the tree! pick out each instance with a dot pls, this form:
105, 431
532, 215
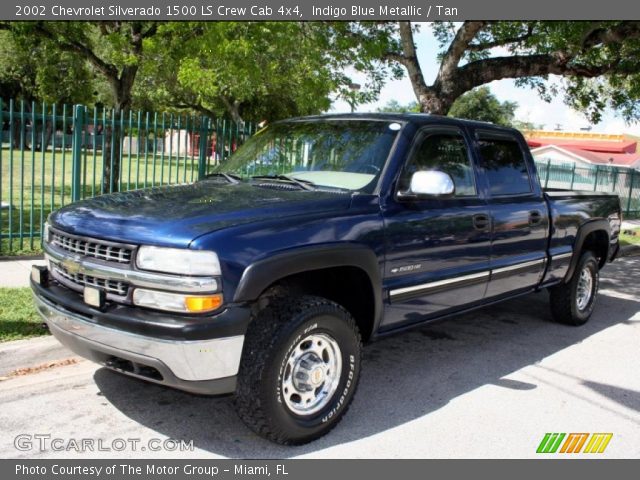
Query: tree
393, 106
481, 104
248, 70
40, 73
114, 50
33, 72
599, 61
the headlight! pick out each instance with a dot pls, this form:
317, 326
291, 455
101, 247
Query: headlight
178, 260
176, 302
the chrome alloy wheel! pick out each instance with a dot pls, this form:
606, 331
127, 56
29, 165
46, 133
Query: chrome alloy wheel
585, 288
312, 374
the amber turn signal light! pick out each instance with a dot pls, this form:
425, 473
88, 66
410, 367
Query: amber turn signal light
203, 304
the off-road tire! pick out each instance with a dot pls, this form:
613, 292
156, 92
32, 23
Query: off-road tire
564, 297
271, 337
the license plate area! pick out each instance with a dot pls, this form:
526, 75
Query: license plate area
94, 297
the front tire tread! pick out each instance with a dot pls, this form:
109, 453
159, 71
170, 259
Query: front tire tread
269, 327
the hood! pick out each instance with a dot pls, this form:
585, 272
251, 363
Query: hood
176, 215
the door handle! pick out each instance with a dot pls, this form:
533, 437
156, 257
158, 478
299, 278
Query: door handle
535, 217
481, 221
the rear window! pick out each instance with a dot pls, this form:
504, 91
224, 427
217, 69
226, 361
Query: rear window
505, 166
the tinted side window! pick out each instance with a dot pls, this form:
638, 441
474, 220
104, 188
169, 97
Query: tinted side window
446, 152
505, 167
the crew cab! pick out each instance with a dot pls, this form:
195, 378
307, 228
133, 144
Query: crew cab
264, 278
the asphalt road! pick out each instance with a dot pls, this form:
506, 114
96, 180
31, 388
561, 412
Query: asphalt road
486, 384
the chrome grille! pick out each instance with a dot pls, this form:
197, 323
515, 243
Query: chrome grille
80, 280
91, 248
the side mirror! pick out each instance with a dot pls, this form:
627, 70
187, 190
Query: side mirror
432, 183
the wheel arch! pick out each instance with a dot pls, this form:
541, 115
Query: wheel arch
343, 273
593, 236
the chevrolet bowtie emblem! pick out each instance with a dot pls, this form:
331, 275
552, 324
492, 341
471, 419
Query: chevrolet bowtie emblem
71, 265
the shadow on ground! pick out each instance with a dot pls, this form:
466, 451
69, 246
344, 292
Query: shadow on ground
405, 376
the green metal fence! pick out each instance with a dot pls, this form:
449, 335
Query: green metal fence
624, 182
51, 155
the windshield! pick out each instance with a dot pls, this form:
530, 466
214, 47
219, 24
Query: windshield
335, 154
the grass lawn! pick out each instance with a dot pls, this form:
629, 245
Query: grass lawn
630, 237
18, 317
34, 184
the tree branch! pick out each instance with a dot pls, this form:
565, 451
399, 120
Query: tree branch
479, 47
480, 72
151, 31
410, 61
396, 57
459, 45
76, 47
195, 106
607, 36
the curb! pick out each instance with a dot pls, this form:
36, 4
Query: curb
629, 250
19, 258
30, 352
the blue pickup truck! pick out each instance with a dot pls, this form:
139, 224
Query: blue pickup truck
318, 234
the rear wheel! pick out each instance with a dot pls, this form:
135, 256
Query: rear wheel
300, 368
572, 303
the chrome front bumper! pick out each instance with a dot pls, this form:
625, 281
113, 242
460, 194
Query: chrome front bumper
200, 366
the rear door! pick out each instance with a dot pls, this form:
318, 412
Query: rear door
437, 249
519, 216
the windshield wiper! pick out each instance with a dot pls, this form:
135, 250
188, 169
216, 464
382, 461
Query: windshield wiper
229, 177
304, 184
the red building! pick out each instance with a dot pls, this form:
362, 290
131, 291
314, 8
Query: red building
584, 148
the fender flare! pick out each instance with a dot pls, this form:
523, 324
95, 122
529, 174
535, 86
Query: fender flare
583, 232
258, 276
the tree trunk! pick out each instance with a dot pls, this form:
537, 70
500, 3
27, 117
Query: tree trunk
26, 135
41, 143
17, 125
110, 176
121, 87
233, 108
430, 98
48, 134
434, 101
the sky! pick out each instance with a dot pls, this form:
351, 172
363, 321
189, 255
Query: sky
530, 107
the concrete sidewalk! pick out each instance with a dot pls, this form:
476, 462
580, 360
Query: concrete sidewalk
15, 273
630, 224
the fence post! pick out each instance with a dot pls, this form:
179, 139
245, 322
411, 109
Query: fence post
633, 172
573, 176
546, 182
76, 159
595, 184
202, 153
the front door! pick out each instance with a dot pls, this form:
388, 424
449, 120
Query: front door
437, 249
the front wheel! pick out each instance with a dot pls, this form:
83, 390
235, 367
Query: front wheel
300, 368
572, 303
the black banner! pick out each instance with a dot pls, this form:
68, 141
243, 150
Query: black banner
294, 10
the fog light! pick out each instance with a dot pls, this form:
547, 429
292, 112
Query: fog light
39, 275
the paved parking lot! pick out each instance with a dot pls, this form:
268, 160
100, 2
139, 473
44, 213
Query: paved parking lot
485, 384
